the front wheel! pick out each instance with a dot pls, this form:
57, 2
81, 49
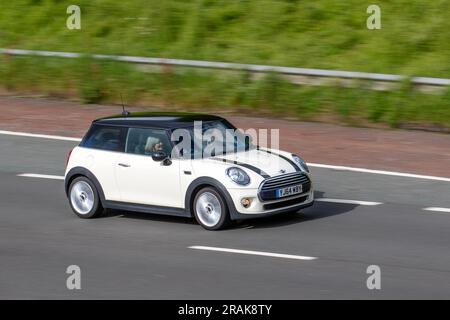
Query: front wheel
210, 210
84, 199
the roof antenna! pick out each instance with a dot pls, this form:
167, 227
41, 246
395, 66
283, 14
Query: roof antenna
125, 113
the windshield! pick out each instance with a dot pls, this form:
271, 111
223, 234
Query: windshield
212, 138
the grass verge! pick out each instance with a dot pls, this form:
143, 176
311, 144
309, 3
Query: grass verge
96, 81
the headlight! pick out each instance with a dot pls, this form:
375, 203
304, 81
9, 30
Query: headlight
300, 162
238, 175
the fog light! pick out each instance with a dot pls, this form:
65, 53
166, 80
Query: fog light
246, 202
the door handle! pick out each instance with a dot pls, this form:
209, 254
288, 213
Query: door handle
125, 165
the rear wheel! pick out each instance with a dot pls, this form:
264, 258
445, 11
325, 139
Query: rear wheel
84, 199
210, 210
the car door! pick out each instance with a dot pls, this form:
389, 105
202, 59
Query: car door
142, 180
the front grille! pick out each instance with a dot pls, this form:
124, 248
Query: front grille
283, 204
268, 188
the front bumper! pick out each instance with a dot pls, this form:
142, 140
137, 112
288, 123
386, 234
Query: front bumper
260, 208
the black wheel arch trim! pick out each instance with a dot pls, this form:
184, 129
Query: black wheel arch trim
80, 171
203, 181
234, 214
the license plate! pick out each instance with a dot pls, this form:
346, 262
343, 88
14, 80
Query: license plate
288, 191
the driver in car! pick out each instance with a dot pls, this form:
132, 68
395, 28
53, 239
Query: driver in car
158, 147
153, 145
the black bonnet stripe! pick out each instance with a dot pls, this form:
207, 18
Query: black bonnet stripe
248, 166
292, 163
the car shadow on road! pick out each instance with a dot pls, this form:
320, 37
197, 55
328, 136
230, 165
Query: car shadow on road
319, 210
147, 216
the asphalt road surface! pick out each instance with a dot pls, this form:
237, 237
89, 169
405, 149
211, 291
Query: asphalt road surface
141, 256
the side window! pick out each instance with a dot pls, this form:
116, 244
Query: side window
146, 141
108, 138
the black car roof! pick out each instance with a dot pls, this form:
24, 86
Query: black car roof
165, 120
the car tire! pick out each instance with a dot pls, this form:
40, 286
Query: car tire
210, 209
84, 199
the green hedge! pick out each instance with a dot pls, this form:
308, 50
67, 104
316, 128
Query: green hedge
97, 81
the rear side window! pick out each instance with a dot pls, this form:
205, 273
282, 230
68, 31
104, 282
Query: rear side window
108, 138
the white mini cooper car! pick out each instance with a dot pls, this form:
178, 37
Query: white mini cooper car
128, 162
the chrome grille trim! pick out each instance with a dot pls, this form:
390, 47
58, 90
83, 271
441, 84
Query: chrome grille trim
277, 184
284, 180
268, 186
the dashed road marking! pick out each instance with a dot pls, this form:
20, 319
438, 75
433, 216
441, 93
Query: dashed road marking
362, 203
257, 253
437, 209
41, 176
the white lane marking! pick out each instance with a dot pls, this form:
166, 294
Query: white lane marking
42, 136
437, 209
317, 165
258, 253
362, 203
388, 173
41, 176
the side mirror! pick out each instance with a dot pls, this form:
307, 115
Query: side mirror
159, 156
